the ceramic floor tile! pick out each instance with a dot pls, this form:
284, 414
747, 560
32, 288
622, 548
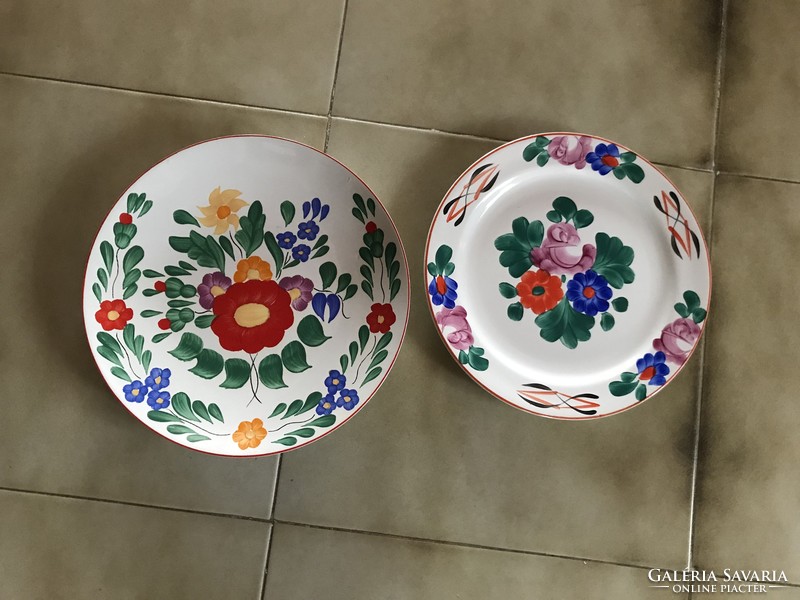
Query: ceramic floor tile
748, 483
59, 548
68, 152
434, 456
279, 53
369, 567
642, 73
761, 84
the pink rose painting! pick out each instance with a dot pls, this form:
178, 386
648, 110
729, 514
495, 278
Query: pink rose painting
677, 340
561, 253
570, 149
460, 336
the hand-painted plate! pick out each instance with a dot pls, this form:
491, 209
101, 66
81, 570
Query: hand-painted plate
246, 296
567, 276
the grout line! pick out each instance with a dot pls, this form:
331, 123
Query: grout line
395, 536
759, 177
272, 520
301, 113
335, 77
412, 538
112, 88
701, 385
480, 138
136, 504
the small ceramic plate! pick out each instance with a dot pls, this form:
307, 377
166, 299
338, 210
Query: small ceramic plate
246, 295
567, 276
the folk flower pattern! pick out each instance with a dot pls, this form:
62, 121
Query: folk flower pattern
326, 405
561, 252
157, 399
381, 318
539, 291
453, 317
252, 316
577, 151
455, 327
589, 293
286, 239
300, 290
135, 391
443, 291
250, 434
221, 210
239, 283
570, 150
604, 158
113, 314
670, 351
301, 252
213, 285
158, 379
544, 263
347, 399
567, 272
252, 268
677, 339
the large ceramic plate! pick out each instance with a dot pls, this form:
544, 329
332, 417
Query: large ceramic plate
567, 276
246, 295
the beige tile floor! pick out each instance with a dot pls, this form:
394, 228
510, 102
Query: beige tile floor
436, 490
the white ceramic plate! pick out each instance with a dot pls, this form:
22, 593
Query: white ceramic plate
567, 276
246, 295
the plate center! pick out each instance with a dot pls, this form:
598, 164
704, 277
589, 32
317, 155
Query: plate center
614, 215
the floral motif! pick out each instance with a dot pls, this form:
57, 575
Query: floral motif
214, 284
308, 230
299, 289
589, 293
286, 240
347, 399
113, 314
250, 434
381, 318
326, 405
460, 334
677, 340
252, 269
335, 381
538, 260
443, 291
221, 210
249, 311
158, 399
652, 368
158, 378
452, 316
135, 391
570, 149
604, 158
560, 252
301, 252
252, 316
539, 291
